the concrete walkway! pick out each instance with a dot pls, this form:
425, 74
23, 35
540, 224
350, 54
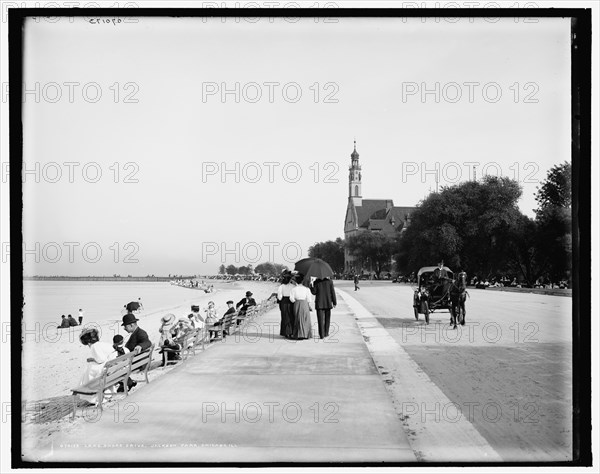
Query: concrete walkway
254, 398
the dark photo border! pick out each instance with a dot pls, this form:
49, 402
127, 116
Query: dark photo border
581, 24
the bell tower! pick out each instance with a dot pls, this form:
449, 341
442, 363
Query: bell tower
354, 179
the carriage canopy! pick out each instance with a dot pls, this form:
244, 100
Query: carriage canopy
426, 272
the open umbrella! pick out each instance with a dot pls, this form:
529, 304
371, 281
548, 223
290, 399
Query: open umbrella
303, 265
314, 267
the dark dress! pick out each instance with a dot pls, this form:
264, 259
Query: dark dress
287, 317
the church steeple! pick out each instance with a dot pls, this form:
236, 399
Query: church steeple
354, 179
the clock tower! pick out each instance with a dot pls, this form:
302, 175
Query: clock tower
354, 179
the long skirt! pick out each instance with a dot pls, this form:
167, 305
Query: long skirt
302, 324
91, 372
287, 317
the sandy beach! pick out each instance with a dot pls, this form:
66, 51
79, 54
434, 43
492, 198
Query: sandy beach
53, 360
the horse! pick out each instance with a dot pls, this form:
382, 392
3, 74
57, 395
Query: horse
458, 296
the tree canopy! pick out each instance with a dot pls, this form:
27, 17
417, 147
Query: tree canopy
373, 249
332, 251
468, 225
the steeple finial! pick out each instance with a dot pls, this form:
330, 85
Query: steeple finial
354, 144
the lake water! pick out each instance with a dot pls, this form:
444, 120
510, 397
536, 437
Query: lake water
101, 301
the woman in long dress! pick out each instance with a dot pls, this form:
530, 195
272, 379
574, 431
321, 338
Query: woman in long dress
301, 297
100, 354
286, 307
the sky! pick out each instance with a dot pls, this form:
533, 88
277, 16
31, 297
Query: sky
172, 145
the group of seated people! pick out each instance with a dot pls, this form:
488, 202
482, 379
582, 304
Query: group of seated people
173, 333
67, 322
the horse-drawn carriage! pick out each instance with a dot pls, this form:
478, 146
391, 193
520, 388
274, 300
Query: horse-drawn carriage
438, 290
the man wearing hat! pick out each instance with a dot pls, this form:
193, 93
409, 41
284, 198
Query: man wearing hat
440, 276
244, 304
230, 308
440, 272
138, 339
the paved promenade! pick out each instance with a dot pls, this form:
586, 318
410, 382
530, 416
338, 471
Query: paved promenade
254, 398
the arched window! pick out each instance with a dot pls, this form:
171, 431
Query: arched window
356, 190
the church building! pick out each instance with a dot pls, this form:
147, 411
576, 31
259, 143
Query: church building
369, 215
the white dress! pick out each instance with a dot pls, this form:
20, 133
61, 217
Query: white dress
101, 352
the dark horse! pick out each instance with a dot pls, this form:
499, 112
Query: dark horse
458, 296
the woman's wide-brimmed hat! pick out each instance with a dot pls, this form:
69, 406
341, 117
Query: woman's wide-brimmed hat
168, 318
86, 332
128, 319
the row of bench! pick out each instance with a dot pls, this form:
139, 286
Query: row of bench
120, 369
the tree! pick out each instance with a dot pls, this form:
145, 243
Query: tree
243, 270
373, 249
556, 189
469, 226
554, 222
332, 251
231, 269
270, 269
222, 270
279, 268
523, 253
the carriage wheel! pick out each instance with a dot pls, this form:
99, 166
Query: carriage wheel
426, 311
416, 313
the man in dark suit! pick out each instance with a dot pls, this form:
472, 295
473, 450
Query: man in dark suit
230, 308
138, 340
245, 303
440, 272
324, 300
440, 277
72, 321
64, 322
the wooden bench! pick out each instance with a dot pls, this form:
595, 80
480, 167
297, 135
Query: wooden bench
142, 362
251, 312
114, 371
202, 338
226, 326
185, 347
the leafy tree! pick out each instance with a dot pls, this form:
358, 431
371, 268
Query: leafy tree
372, 248
266, 268
222, 270
469, 226
553, 216
332, 251
279, 268
556, 189
243, 270
270, 269
523, 252
231, 269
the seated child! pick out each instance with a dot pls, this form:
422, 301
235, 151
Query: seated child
167, 333
118, 346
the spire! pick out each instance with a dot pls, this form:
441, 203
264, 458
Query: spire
354, 154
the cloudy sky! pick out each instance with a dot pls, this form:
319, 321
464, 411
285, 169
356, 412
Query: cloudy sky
172, 145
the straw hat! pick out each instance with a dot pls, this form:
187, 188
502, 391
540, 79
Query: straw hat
168, 318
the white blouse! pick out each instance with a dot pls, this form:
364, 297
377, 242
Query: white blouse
285, 290
300, 292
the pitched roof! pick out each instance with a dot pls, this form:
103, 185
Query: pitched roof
368, 208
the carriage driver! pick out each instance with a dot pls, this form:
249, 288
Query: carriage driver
440, 276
